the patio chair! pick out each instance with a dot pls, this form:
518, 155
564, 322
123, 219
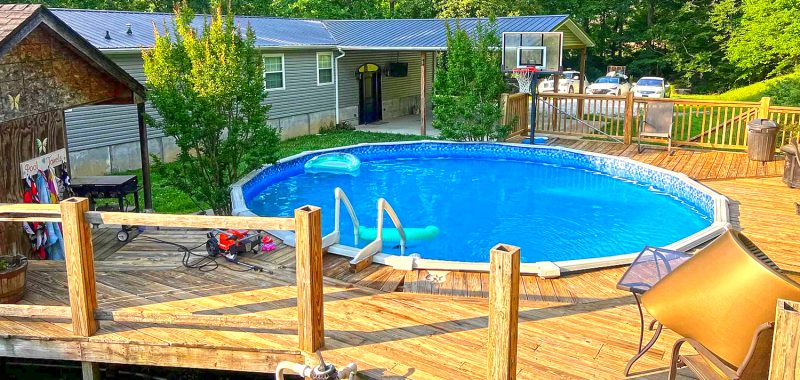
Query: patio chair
657, 123
722, 301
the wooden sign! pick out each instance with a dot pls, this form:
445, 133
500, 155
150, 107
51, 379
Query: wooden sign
33, 166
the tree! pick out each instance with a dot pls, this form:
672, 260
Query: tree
468, 85
764, 35
208, 88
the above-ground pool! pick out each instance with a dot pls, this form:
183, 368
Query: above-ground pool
558, 205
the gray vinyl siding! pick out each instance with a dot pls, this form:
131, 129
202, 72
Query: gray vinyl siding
391, 88
99, 126
301, 94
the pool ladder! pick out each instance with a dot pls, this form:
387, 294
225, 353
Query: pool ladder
332, 240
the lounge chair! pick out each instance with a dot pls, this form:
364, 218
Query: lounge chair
722, 301
657, 123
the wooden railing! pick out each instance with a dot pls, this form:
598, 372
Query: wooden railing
515, 112
578, 114
702, 123
83, 310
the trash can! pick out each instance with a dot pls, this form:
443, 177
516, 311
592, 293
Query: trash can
791, 174
761, 135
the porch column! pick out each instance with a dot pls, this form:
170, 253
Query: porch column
582, 81
583, 71
423, 99
144, 153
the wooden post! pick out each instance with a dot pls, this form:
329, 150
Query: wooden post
785, 362
90, 371
79, 257
628, 118
144, 154
503, 312
308, 239
423, 98
582, 82
763, 109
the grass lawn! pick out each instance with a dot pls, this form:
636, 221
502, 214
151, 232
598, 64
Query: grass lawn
167, 199
749, 93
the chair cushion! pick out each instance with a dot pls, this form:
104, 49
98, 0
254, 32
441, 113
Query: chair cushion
721, 295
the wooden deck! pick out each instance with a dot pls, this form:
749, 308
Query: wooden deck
574, 327
389, 335
697, 164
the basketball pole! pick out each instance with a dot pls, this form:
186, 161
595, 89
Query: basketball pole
534, 100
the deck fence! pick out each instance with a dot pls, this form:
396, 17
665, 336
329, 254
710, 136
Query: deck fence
515, 112
700, 123
84, 313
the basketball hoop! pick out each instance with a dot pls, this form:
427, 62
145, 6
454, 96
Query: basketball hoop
524, 77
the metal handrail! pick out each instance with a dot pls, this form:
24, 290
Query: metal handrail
334, 237
383, 205
376, 245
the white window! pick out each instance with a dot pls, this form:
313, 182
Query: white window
274, 73
324, 68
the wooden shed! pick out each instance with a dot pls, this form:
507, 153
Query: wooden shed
45, 68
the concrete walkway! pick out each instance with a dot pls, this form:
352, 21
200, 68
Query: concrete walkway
404, 125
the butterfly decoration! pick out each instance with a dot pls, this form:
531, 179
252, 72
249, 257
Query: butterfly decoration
41, 145
14, 101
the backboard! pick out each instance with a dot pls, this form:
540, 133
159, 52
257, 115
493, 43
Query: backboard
540, 50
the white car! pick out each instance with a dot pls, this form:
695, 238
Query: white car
609, 85
568, 83
650, 87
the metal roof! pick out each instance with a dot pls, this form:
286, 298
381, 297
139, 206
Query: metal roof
270, 31
426, 33
286, 32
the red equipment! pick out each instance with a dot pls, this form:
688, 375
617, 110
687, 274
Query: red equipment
231, 243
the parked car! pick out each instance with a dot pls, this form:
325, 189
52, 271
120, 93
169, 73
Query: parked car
651, 87
568, 83
610, 85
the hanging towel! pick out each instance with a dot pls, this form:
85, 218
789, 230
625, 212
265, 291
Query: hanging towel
55, 243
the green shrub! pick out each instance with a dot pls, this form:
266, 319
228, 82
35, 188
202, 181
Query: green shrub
468, 85
785, 92
208, 86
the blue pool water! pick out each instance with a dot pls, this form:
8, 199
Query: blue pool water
553, 212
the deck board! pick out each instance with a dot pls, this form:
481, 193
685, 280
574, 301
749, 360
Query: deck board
578, 326
696, 163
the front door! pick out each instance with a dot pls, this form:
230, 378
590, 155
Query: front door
369, 93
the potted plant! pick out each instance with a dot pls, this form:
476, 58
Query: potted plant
13, 271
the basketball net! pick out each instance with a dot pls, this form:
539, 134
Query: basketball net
524, 77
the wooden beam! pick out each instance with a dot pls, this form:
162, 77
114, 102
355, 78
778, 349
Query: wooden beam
35, 311
189, 319
308, 238
627, 126
138, 353
785, 360
503, 312
191, 221
90, 371
763, 108
582, 81
79, 258
423, 96
144, 154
